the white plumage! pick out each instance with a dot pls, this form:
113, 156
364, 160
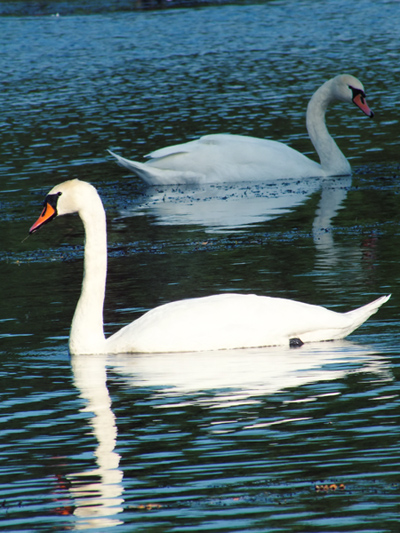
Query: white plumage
218, 322
231, 158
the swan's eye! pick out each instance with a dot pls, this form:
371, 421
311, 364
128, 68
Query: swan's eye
360, 101
52, 200
48, 213
359, 93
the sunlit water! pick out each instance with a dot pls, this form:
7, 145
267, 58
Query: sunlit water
273, 440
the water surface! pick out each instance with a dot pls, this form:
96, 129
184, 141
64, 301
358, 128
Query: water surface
273, 440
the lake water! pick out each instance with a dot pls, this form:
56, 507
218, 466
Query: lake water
268, 440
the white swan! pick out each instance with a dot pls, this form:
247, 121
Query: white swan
223, 321
227, 158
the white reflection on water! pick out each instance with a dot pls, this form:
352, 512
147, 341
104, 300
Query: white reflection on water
238, 376
97, 493
222, 207
333, 195
231, 377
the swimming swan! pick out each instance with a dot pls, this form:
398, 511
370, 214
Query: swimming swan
223, 321
230, 158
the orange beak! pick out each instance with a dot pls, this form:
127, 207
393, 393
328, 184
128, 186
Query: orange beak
47, 214
361, 102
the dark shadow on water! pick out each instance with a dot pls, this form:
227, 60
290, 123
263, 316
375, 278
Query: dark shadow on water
87, 7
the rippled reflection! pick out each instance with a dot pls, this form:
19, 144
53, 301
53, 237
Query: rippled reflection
97, 493
240, 375
225, 379
223, 207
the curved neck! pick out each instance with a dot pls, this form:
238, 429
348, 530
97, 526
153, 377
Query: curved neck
333, 162
87, 334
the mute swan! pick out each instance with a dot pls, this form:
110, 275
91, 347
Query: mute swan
223, 321
228, 158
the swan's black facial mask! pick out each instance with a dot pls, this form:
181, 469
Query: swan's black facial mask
49, 212
361, 102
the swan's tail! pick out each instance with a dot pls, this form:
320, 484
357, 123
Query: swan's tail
137, 168
360, 315
153, 175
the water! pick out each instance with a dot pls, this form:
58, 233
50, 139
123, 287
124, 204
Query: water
260, 440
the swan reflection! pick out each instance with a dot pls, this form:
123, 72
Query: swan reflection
225, 378
98, 492
333, 195
241, 375
222, 207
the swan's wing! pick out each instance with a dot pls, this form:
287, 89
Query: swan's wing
235, 151
153, 175
209, 323
223, 157
235, 321
217, 140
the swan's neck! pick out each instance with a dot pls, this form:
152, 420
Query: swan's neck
333, 162
87, 334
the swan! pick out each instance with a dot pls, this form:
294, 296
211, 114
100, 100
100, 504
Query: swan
223, 321
230, 158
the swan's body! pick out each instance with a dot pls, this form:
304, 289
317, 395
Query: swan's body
227, 158
210, 323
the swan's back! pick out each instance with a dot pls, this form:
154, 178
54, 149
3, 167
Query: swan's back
214, 157
230, 321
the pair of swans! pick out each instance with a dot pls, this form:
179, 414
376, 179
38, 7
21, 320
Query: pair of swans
230, 158
223, 321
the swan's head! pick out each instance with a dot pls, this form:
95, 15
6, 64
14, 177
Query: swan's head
66, 198
347, 88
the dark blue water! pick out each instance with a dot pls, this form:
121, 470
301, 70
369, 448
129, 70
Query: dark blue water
268, 440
